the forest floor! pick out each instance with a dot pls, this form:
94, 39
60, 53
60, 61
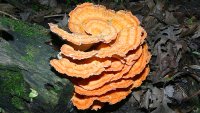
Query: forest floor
173, 27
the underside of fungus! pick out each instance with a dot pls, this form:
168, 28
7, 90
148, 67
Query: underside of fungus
105, 55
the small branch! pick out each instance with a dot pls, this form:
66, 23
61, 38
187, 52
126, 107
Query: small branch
4, 13
193, 95
57, 15
195, 77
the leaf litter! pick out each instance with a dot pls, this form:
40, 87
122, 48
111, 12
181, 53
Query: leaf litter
173, 36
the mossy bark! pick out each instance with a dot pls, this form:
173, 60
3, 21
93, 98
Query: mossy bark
24, 65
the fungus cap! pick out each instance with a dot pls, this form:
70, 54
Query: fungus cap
106, 55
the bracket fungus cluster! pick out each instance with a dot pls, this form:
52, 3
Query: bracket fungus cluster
106, 55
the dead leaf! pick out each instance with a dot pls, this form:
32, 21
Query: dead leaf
197, 67
156, 97
150, 3
164, 108
189, 30
169, 90
64, 22
145, 100
25, 15
137, 95
197, 33
170, 19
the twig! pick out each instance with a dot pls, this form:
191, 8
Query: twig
4, 13
186, 73
57, 15
193, 95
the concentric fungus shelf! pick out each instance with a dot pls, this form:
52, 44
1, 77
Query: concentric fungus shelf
106, 55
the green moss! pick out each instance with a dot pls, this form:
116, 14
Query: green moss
30, 53
12, 82
30, 30
17, 102
13, 87
57, 89
2, 110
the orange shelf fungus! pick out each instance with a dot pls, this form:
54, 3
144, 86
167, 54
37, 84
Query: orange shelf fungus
84, 69
104, 35
96, 105
122, 83
106, 55
70, 52
95, 81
